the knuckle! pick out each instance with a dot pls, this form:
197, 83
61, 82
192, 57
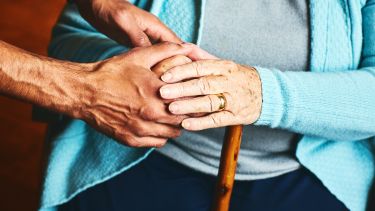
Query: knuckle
211, 102
204, 85
149, 114
140, 130
216, 120
213, 120
180, 88
230, 64
197, 67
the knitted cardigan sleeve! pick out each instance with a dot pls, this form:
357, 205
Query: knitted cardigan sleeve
338, 105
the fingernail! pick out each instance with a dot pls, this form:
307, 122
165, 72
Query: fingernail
164, 92
186, 124
166, 77
173, 108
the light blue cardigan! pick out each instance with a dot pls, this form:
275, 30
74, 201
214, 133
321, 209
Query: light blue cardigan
333, 105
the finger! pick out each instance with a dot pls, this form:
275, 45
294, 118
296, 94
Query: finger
158, 113
169, 63
198, 53
201, 86
169, 119
159, 32
154, 54
197, 69
149, 128
214, 120
205, 104
134, 141
129, 26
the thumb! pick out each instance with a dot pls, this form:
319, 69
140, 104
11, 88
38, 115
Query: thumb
136, 35
159, 32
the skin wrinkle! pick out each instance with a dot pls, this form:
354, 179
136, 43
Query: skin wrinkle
241, 85
210, 97
197, 67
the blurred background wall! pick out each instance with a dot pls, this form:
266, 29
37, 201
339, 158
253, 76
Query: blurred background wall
26, 24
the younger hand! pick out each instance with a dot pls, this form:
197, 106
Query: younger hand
124, 22
122, 97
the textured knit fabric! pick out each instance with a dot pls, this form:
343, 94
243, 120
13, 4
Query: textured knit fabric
278, 38
158, 181
332, 106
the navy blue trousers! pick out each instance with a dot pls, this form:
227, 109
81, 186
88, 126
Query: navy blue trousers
159, 183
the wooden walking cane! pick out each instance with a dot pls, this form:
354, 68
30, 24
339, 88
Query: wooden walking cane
227, 169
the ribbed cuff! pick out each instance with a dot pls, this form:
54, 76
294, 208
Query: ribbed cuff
272, 105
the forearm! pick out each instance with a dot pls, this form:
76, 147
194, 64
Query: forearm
53, 84
336, 106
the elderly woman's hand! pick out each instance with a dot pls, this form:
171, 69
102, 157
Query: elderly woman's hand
195, 54
227, 92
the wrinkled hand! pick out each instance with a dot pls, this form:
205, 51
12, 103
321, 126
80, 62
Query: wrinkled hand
167, 64
202, 80
124, 22
123, 100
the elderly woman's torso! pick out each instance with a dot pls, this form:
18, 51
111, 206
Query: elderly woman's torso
256, 33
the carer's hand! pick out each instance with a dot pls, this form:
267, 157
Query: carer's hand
240, 85
122, 97
124, 22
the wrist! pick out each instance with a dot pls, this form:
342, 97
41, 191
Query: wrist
76, 89
53, 84
272, 100
62, 86
257, 89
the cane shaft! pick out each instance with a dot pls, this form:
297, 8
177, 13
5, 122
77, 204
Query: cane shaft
227, 169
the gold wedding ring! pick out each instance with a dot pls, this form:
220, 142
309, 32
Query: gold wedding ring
223, 101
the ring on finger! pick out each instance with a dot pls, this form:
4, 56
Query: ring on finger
223, 102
